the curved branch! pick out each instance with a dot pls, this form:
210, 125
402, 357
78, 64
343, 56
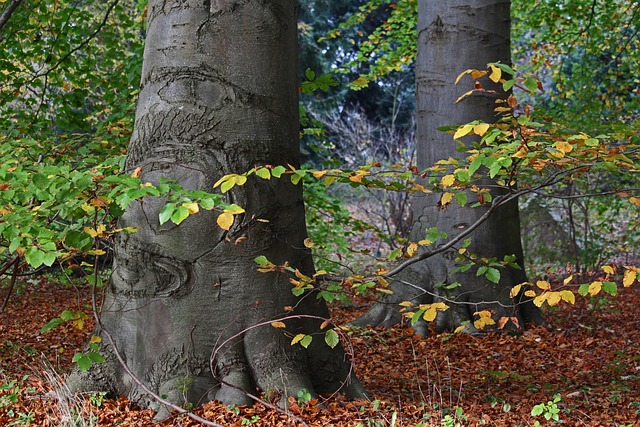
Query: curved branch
6, 15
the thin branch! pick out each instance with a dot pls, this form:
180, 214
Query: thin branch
14, 276
8, 11
81, 45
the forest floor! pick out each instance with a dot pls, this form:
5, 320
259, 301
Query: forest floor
586, 358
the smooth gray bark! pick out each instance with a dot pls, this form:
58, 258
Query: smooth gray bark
219, 95
454, 36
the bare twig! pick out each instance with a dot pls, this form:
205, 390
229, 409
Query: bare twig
14, 276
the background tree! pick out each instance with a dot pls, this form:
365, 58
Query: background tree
453, 37
219, 96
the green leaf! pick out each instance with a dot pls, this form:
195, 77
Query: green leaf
67, 315
610, 287
417, 316
278, 171
83, 362
306, 341
394, 254
95, 357
167, 212
494, 169
52, 324
584, 289
297, 176
331, 338
475, 164
179, 214
493, 274
462, 175
34, 256
261, 260
263, 173
310, 74
207, 203
461, 198
15, 244
537, 410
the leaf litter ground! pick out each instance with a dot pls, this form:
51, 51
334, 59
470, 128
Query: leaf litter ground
588, 355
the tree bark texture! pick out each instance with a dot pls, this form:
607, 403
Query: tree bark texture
219, 96
454, 36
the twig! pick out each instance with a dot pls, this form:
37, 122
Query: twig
8, 11
14, 276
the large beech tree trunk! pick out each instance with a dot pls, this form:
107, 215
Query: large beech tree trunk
455, 35
219, 95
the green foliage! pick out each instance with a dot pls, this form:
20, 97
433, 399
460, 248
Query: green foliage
585, 52
550, 410
10, 394
88, 358
390, 46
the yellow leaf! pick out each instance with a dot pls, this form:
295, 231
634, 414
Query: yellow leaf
568, 296
278, 325
476, 74
464, 95
234, 209
308, 243
78, 324
564, 146
567, 280
90, 231
225, 220
462, 75
521, 153
540, 299
554, 298
96, 252
544, 285
430, 314
635, 200
483, 321
136, 172
412, 249
297, 339
515, 291
483, 313
608, 269
462, 131
406, 304
481, 129
496, 73
460, 329
448, 180
440, 306
629, 278
530, 293
95, 339
425, 242
191, 207
319, 174
594, 288
446, 199
385, 291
